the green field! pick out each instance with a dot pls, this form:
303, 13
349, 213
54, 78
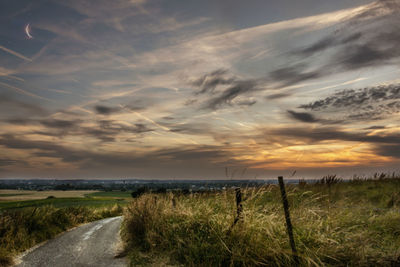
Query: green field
335, 223
13, 195
62, 202
113, 194
57, 199
95, 199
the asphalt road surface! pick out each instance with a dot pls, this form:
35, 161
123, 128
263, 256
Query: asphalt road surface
92, 244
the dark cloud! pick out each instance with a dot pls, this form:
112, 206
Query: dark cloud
19, 121
208, 82
169, 118
49, 123
59, 133
380, 47
101, 134
138, 105
332, 133
319, 46
356, 98
368, 39
52, 127
193, 154
60, 124
104, 110
104, 130
108, 130
141, 128
247, 102
392, 150
277, 96
8, 103
7, 162
55, 150
190, 128
329, 42
135, 105
359, 56
366, 104
222, 91
294, 74
366, 116
226, 97
190, 102
378, 127
115, 126
188, 161
351, 38
302, 116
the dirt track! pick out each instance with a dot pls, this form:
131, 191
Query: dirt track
92, 244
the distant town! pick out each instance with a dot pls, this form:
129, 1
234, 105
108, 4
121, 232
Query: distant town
132, 184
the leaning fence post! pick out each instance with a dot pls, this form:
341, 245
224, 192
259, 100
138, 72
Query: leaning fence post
287, 217
239, 207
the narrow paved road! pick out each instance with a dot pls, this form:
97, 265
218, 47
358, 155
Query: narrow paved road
92, 244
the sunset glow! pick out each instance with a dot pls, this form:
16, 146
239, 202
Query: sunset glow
172, 89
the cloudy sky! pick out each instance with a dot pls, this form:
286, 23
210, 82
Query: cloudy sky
188, 89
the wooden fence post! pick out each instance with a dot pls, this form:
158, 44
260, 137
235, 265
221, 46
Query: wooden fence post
288, 221
173, 202
239, 207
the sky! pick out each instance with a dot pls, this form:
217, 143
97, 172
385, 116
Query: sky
212, 89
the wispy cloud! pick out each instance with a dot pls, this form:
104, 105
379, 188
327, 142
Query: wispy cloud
24, 92
360, 41
29, 108
14, 53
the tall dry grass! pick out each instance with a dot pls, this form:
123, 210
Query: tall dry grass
345, 224
23, 228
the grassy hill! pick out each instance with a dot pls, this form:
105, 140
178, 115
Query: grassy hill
336, 223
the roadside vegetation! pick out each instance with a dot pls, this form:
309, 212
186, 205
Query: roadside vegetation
23, 224
336, 223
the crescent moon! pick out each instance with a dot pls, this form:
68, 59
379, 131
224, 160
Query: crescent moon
28, 31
